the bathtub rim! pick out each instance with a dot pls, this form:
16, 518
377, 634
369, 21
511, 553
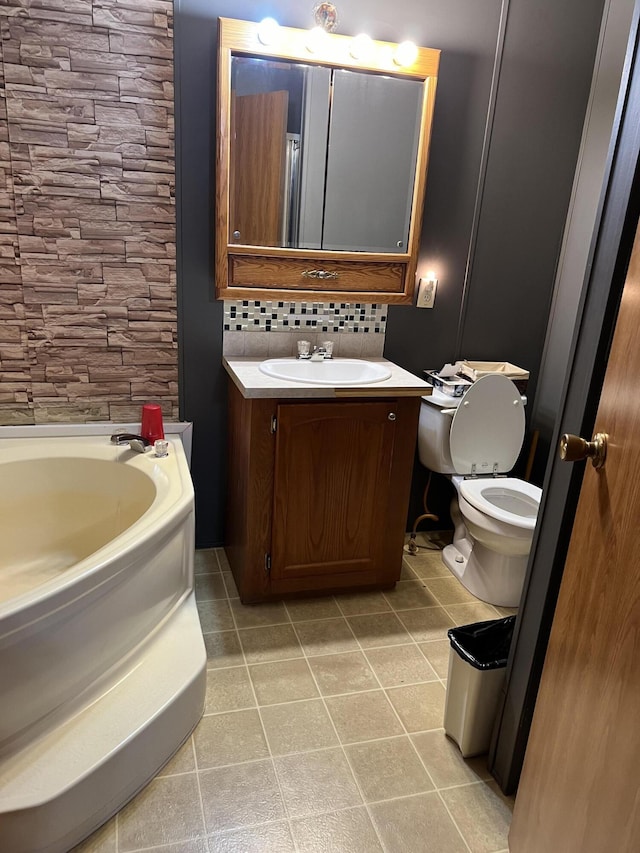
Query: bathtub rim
89, 572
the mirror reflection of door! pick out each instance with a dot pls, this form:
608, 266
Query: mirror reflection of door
258, 131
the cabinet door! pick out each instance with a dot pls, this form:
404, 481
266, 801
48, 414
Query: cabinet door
332, 484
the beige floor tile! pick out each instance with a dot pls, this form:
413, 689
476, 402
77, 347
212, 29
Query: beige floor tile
258, 615
206, 561
210, 587
428, 623
229, 739
482, 813
282, 681
380, 629
465, 614
347, 831
406, 572
428, 564
386, 769
506, 611
228, 690
325, 637
298, 727
346, 673
194, 845
443, 760
230, 585
419, 823
303, 609
215, 616
407, 595
363, 602
103, 840
166, 811
396, 665
182, 761
450, 591
241, 795
222, 559
223, 649
419, 706
267, 838
437, 653
363, 716
277, 642
316, 782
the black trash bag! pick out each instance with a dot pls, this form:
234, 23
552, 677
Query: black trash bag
484, 645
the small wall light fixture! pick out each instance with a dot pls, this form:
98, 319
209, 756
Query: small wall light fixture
405, 54
361, 47
268, 30
316, 40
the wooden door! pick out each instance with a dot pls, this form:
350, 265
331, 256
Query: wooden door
332, 485
258, 148
580, 786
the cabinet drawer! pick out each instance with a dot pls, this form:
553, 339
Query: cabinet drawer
294, 274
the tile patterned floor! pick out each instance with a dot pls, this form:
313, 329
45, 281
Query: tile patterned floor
322, 730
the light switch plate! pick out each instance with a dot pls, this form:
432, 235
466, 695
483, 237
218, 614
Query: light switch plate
426, 293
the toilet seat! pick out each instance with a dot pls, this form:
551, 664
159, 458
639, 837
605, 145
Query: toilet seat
487, 428
506, 499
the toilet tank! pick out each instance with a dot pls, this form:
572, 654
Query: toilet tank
433, 437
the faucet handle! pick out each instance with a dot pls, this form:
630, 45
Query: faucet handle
303, 349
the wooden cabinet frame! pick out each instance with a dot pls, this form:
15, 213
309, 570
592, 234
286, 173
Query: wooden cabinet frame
254, 272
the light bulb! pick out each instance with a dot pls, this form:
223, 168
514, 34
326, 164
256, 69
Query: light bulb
268, 30
316, 39
361, 47
405, 54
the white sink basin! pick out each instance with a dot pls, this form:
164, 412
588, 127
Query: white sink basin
338, 371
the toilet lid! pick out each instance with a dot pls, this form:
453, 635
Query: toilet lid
488, 427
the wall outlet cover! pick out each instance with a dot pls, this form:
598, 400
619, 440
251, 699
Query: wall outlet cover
426, 293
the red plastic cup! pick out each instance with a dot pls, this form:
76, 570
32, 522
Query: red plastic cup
151, 426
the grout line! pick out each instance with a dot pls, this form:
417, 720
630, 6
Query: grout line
197, 771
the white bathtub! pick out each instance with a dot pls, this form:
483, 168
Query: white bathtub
102, 662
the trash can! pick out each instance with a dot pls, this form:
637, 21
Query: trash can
477, 662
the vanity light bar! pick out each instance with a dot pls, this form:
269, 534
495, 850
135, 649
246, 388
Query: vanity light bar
331, 49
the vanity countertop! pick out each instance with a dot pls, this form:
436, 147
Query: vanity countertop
251, 382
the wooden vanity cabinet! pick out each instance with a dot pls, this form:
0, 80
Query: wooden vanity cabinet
318, 493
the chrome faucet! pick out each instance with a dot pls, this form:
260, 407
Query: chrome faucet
318, 353
135, 442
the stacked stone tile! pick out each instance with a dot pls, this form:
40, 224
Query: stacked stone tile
87, 214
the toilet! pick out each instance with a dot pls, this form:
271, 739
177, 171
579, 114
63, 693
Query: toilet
476, 439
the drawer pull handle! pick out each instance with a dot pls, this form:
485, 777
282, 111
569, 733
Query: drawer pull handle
324, 274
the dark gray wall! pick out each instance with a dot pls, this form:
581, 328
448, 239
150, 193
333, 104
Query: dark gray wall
505, 276
583, 217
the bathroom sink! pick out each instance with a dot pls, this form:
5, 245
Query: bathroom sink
339, 371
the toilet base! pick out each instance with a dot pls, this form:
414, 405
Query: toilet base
495, 578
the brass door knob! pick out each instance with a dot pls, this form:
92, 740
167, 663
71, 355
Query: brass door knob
573, 448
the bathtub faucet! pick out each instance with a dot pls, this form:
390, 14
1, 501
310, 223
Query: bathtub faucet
135, 442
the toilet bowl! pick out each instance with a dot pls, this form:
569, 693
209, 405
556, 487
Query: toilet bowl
476, 440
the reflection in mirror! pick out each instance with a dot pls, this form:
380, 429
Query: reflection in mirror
321, 158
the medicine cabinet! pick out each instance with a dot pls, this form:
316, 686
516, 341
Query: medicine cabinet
321, 167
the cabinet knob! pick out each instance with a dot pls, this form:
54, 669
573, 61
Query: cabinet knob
392, 416
236, 235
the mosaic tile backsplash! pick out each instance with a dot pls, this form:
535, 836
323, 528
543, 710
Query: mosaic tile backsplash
261, 316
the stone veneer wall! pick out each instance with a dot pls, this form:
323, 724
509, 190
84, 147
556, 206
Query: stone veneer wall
88, 321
